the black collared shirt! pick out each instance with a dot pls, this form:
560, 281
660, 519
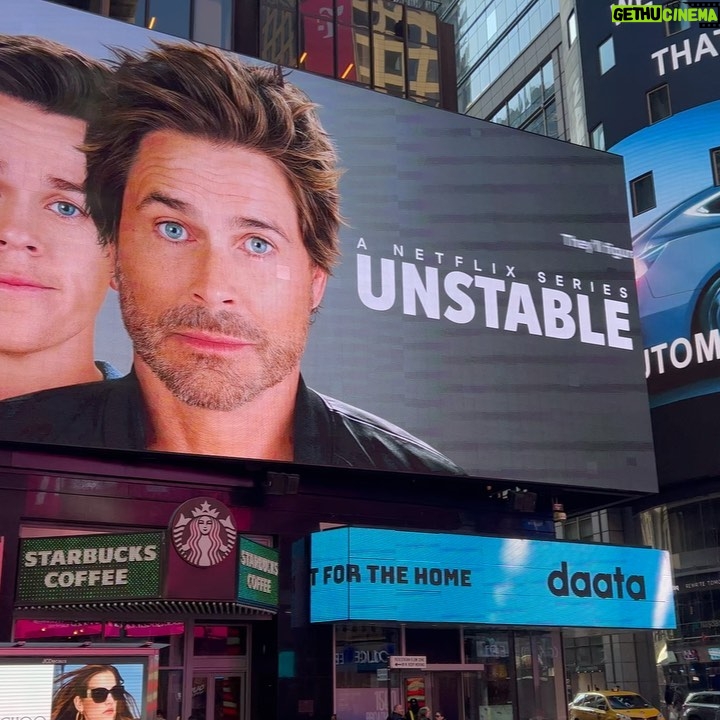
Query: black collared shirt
111, 414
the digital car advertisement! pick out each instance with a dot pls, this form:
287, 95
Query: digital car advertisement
469, 307
678, 280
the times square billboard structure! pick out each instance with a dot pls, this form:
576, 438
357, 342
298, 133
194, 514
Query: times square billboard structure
659, 108
482, 318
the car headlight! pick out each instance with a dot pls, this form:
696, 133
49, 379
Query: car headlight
621, 716
645, 261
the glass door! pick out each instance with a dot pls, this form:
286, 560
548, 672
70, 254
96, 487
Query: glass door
218, 696
437, 690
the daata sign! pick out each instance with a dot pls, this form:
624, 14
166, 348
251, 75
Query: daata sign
389, 575
258, 574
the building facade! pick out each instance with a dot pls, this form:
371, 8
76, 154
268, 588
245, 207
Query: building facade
222, 654
403, 49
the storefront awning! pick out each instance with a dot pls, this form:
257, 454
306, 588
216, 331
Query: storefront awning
166, 608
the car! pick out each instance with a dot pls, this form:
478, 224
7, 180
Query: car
612, 705
701, 706
677, 270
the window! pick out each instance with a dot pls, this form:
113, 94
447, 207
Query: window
572, 28
532, 106
551, 123
715, 164
606, 52
393, 62
501, 116
672, 27
171, 17
412, 69
475, 77
659, 104
212, 22
548, 80
597, 137
642, 193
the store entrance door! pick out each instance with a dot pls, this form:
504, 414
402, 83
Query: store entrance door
218, 695
438, 690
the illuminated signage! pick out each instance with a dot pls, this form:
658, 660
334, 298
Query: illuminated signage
89, 567
258, 576
369, 574
481, 319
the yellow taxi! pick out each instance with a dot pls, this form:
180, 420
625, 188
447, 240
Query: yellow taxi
612, 705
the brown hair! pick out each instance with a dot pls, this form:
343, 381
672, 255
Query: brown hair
51, 76
204, 92
75, 684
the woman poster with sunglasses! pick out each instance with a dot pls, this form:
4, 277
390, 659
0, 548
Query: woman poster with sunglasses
92, 692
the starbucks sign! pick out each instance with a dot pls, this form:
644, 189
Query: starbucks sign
258, 576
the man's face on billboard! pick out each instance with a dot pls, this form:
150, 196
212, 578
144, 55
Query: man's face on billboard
216, 286
53, 273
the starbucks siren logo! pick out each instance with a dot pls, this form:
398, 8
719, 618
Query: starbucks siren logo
203, 532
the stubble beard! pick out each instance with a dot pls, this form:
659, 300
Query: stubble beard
209, 381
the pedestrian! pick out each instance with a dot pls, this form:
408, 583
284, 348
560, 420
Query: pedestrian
397, 713
413, 710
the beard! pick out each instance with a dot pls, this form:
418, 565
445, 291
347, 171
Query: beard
212, 381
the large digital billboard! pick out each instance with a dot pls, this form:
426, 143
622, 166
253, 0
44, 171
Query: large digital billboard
390, 575
676, 239
474, 313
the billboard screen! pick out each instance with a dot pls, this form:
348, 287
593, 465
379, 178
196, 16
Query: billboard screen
676, 239
50, 685
390, 575
90, 567
481, 318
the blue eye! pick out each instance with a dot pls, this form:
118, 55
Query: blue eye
66, 209
173, 231
258, 246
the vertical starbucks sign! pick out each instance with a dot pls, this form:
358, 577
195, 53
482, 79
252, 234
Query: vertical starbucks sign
258, 575
89, 567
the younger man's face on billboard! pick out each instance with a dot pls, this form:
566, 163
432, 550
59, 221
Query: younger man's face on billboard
53, 273
216, 285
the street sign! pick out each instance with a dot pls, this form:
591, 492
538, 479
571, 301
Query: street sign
408, 662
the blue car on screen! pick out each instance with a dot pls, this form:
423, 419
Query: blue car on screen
677, 267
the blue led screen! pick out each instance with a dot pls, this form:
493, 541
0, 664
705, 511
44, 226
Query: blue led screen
370, 574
